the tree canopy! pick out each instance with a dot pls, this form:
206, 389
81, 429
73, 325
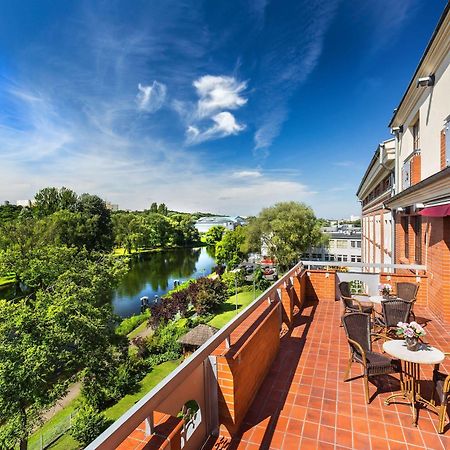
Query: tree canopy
285, 231
232, 248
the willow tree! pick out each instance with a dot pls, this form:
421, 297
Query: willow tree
285, 231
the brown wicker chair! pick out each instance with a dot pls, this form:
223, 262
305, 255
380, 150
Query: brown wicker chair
394, 310
351, 304
407, 291
357, 327
441, 390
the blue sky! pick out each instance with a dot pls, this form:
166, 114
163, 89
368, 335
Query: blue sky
223, 106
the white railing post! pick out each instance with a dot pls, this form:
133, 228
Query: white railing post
149, 425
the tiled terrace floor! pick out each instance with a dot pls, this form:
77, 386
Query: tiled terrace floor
304, 403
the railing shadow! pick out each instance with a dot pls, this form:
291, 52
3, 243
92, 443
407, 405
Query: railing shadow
281, 376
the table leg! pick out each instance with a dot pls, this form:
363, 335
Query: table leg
410, 386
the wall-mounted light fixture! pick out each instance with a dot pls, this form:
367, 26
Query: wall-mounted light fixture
426, 81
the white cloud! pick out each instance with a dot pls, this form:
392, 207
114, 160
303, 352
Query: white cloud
224, 125
151, 98
217, 93
247, 174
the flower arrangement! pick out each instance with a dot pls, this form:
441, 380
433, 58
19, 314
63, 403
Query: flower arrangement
411, 332
385, 289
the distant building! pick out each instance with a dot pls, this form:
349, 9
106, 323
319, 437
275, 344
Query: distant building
24, 203
229, 222
342, 246
112, 206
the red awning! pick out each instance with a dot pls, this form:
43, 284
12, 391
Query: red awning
436, 211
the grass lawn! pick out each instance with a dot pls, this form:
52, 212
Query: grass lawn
66, 442
53, 423
149, 382
7, 279
228, 309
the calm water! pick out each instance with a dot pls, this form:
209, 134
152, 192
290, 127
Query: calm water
154, 274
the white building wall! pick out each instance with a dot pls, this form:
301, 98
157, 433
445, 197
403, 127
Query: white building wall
432, 109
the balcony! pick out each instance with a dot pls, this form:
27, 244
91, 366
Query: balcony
273, 378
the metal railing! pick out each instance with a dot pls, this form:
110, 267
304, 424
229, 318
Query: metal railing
196, 372
413, 267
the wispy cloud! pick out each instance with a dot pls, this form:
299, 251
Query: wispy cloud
247, 174
293, 53
151, 98
343, 163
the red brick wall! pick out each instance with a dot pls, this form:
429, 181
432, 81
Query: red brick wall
319, 286
438, 265
416, 169
240, 372
422, 293
287, 305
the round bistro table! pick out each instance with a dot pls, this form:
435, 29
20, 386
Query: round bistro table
410, 373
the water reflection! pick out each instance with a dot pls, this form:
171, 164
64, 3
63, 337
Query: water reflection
155, 274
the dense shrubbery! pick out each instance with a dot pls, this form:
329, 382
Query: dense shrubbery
108, 382
87, 424
230, 279
204, 294
130, 323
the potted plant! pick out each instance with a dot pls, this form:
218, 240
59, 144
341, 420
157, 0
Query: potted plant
385, 290
411, 332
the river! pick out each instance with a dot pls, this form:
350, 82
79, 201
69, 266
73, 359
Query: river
154, 274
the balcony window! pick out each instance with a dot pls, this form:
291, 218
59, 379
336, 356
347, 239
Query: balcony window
416, 135
406, 175
417, 226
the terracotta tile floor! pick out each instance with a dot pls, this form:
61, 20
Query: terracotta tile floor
304, 403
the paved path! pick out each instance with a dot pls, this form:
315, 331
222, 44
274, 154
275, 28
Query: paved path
72, 393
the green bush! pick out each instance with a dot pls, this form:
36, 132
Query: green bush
165, 339
230, 278
130, 323
154, 360
104, 386
87, 424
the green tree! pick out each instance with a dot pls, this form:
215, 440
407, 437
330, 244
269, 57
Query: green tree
214, 234
162, 209
100, 234
286, 230
9, 212
51, 199
231, 249
154, 207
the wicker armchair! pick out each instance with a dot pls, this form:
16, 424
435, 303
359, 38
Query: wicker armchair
393, 311
357, 327
407, 291
441, 382
351, 304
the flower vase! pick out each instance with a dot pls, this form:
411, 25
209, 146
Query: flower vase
412, 343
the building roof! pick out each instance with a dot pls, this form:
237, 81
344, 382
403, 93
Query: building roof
216, 220
375, 159
353, 236
442, 21
198, 335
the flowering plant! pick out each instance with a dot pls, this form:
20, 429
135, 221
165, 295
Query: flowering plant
410, 330
385, 289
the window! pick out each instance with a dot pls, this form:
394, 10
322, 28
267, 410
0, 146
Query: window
341, 243
358, 259
358, 244
405, 223
417, 225
416, 135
